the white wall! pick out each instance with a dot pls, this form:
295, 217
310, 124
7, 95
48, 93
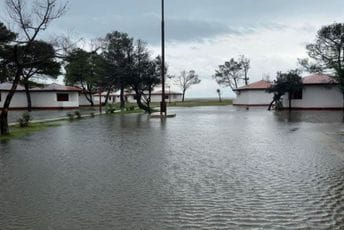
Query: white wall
317, 97
253, 97
157, 98
41, 100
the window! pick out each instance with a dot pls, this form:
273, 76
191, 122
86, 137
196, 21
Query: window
297, 95
62, 97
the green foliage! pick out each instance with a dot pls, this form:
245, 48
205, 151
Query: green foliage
85, 69
71, 116
24, 121
285, 83
130, 107
327, 52
77, 114
232, 72
112, 108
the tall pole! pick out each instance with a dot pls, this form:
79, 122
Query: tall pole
163, 109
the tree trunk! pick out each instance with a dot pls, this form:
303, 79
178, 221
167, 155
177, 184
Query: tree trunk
270, 105
28, 97
183, 98
289, 97
107, 96
89, 97
122, 105
4, 129
141, 105
149, 97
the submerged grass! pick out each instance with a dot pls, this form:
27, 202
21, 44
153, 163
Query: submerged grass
16, 131
200, 102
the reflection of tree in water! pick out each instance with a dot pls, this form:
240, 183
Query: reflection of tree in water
309, 116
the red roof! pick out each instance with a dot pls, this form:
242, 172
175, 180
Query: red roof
48, 88
318, 79
262, 84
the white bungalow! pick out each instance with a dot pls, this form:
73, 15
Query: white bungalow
156, 96
319, 92
253, 94
51, 96
114, 97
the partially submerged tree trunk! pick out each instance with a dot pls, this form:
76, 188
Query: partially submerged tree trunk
107, 96
141, 105
289, 97
28, 97
122, 99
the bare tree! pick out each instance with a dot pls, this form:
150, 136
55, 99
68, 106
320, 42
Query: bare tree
29, 22
186, 80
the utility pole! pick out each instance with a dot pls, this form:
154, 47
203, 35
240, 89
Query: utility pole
163, 109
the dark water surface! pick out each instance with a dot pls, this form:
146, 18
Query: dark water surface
208, 168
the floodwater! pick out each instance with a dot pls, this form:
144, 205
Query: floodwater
208, 168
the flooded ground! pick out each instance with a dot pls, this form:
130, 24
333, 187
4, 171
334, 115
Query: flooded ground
14, 115
208, 168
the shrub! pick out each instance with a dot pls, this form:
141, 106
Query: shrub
77, 114
24, 120
111, 108
70, 116
130, 107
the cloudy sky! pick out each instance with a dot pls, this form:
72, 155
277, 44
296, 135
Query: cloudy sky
202, 34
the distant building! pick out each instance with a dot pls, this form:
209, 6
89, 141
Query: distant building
156, 96
319, 91
253, 94
114, 97
51, 96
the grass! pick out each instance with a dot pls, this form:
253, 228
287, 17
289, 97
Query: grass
16, 131
199, 102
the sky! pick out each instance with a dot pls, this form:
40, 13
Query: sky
202, 34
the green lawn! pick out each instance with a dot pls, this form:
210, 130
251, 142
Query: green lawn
16, 131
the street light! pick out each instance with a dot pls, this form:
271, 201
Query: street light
163, 109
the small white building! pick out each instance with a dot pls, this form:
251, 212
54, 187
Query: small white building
51, 96
319, 91
114, 97
156, 96
254, 94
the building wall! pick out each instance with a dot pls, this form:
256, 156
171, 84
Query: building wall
317, 97
41, 100
253, 98
157, 98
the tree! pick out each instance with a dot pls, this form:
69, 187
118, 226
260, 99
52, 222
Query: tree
229, 74
84, 69
144, 74
185, 80
219, 94
245, 65
118, 54
6, 37
47, 65
327, 53
30, 24
289, 83
232, 72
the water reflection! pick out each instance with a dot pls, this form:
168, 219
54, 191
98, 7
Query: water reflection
208, 168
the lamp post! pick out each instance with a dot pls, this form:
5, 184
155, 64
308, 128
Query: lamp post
163, 109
